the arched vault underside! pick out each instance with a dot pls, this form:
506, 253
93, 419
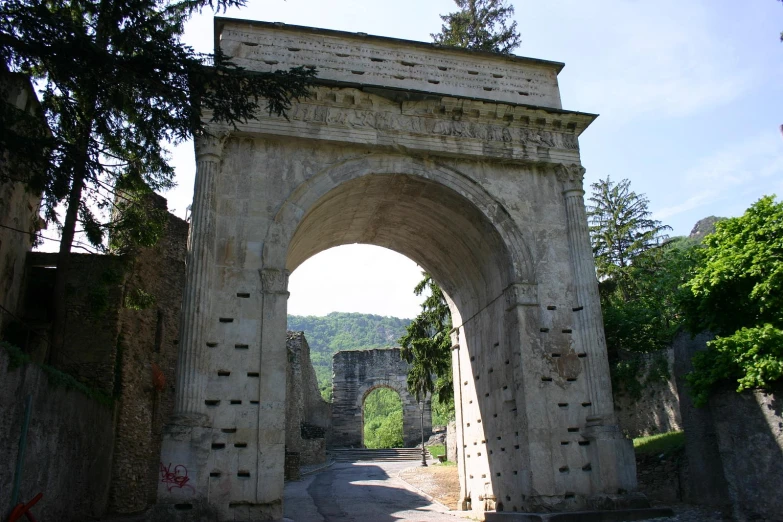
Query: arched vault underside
464, 162
427, 222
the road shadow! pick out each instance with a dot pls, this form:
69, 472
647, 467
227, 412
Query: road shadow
361, 492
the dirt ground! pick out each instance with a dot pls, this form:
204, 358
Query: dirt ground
438, 481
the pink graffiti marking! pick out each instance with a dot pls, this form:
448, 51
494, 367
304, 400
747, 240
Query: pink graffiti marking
176, 478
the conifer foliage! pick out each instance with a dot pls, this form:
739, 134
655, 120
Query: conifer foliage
116, 85
426, 345
621, 227
481, 25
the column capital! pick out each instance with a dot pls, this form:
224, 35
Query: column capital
571, 176
210, 145
274, 280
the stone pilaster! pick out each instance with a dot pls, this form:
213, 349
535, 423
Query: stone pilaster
272, 389
614, 467
191, 364
587, 310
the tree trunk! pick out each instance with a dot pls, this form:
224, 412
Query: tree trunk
57, 344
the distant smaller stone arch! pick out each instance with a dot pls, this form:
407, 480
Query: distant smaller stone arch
356, 374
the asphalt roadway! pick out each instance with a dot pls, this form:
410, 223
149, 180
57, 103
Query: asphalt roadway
359, 492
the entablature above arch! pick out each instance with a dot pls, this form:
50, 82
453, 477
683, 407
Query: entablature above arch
428, 124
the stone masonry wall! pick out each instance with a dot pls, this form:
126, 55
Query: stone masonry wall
18, 215
126, 353
69, 446
308, 416
147, 350
356, 374
656, 411
95, 292
734, 445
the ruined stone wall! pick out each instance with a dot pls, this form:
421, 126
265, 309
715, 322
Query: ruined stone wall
69, 445
18, 215
734, 445
147, 348
356, 374
451, 441
308, 416
124, 352
94, 293
656, 411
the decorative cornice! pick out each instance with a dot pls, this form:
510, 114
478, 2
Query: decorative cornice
274, 280
571, 176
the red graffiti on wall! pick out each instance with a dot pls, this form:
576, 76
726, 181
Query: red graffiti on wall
175, 478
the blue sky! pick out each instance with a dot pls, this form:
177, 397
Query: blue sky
689, 95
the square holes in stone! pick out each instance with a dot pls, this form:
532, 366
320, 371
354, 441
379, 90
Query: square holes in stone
226, 319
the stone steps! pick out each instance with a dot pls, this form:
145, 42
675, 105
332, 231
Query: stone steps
392, 454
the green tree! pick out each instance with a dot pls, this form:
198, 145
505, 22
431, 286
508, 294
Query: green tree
426, 345
639, 278
116, 85
621, 228
481, 25
737, 293
383, 419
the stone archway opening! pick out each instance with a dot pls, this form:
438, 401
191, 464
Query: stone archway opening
382, 418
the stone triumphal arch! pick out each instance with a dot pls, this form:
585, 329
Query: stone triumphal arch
357, 373
466, 163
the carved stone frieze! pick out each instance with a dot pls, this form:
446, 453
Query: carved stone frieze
274, 280
438, 126
571, 176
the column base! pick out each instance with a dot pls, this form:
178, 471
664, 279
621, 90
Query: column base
620, 515
564, 504
612, 457
183, 480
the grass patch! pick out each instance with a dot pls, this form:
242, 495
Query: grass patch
437, 450
661, 443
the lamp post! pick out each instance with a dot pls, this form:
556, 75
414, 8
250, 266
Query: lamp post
423, 454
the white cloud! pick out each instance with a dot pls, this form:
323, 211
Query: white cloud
733, 177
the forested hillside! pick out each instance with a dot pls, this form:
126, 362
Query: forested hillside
344, 331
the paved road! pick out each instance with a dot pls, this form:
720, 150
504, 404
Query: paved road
359, 492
